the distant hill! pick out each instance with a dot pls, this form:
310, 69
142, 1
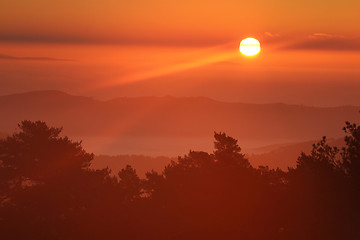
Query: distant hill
170, 125
284, 156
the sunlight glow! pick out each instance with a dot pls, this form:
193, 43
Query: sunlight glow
249, 46
192, 60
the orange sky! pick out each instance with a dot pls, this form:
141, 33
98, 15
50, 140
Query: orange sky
173, 22
310, 49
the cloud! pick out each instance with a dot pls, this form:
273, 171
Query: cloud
324, 36
196, 40
271, 35
325, 41
7, 57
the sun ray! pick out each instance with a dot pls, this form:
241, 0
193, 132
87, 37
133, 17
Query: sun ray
214, 57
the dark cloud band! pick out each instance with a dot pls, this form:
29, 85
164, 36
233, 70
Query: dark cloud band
326, 42
7, 57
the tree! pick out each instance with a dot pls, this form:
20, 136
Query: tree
351, 167
46, 183
37, 155
228, 152
321, 158
130, 183
351, 153
318, 192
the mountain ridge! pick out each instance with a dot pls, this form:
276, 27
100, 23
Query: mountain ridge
173, 121
60, 93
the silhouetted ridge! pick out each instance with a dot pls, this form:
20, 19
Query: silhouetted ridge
44, 94
174, 117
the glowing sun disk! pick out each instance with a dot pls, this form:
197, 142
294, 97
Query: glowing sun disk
249, 46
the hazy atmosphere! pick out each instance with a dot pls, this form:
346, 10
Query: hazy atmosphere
179, 119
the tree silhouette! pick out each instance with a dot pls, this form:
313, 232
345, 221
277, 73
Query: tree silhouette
45, 183
130, 183
37, 155
321, 158
228, 152
351, 152
351, 167
48, 192
318, 190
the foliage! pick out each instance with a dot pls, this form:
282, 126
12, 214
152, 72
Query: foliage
48, 192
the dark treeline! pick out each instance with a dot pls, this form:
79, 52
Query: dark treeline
48, 191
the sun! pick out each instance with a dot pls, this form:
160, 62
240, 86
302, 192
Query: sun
249, 46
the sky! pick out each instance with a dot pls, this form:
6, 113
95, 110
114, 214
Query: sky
105, 49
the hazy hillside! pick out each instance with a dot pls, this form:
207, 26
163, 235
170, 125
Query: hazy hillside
284, 156
169, 125
279, 155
